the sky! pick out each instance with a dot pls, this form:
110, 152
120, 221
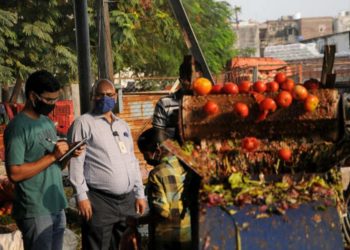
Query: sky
263, 10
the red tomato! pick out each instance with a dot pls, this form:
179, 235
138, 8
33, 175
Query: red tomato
250, 144
241, 109
312, 84
287, 85
211, 108
284, 99
272, 86
262, 116
268, 104
299, 92
202, 86
311, 103
280, 77
285, 154
216, 89
244, 86
231, 88
259, 87
258, 97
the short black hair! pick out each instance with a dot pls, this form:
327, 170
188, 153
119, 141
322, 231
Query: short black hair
41, 81
147, 141
185, 70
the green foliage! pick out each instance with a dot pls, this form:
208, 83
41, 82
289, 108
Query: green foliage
211, 23
7, 36
145, 39
150, 40
37, 35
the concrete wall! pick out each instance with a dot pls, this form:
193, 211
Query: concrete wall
341, 40
248, 37
342, 22
315, 27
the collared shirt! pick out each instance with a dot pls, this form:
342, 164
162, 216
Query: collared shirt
166, 113
104, 165
168, 195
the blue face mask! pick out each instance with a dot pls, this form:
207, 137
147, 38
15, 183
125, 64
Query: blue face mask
104, 105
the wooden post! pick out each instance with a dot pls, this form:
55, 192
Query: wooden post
300, 73
327, 77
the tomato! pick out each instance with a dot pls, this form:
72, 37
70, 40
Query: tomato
241, 109
202, 86
250, 144
244, 86
287, 85
272, 86
311, 103
262, 116
231, 88
258, 97
216, 89
299, 92
259, 87
268, 104
280, 77
284, 99
312, 84
285, 154
211, 108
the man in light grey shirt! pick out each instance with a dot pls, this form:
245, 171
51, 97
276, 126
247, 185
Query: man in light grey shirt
106, 178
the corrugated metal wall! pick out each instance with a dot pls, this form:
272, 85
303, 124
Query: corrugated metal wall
137, 112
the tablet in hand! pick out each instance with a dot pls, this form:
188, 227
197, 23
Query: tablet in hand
71, 150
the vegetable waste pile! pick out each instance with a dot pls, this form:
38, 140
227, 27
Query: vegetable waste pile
7, 224
274, 145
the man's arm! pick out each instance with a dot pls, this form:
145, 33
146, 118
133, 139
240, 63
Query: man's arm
76, 171
159, 121
160, 134
27, 170
140, 202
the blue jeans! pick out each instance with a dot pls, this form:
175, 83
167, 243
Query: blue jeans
43, 232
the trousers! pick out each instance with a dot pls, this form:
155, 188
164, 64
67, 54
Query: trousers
104, 230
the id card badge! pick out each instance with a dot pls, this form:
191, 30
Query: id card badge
122, 147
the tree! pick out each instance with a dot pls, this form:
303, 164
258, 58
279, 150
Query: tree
42, 36
146, 37
211, 23
149, 40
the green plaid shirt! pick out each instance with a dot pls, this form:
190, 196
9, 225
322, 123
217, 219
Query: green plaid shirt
168, 185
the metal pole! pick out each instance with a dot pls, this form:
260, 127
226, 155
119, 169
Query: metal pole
105, 62
83, 49
190, 37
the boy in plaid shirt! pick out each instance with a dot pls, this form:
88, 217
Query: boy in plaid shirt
168, 197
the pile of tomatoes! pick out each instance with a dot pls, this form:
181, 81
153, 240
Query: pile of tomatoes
284, 88
280, 93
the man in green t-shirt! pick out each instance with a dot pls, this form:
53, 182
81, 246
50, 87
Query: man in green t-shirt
31, 158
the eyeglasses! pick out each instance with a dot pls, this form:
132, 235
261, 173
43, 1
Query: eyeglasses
100, 95
46, 99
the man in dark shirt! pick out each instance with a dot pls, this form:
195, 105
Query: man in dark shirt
166, 113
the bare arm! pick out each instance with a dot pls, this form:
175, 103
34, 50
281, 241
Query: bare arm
160, 134
25, 171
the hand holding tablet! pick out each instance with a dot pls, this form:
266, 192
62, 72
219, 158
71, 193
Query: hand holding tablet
72, 149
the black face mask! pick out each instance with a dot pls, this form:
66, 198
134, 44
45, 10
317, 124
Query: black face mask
42, 108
